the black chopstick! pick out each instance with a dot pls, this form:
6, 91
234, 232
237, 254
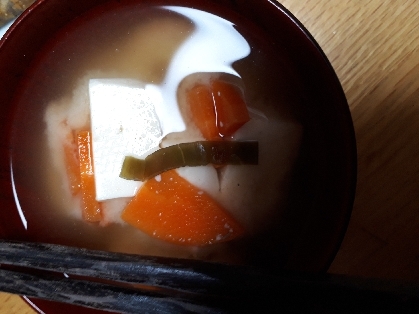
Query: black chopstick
97, 295
114, 281
189, 276
121, 283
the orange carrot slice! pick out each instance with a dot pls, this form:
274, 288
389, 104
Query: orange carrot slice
71, 159
91, 208
231, 110
202, 108
218, 109
169, 208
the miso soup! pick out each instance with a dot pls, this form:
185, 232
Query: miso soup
136, 79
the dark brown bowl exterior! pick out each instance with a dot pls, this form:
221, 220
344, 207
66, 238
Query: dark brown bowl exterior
324, 187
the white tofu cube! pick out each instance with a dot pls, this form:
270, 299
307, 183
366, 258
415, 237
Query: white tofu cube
124, 122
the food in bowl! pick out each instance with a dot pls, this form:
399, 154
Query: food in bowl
132, 81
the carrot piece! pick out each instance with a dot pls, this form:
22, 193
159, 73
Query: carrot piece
231, 110
71, 159
91, 208
218, 109
169, 208
202, 108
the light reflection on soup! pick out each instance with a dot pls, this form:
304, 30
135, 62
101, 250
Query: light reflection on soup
139, 43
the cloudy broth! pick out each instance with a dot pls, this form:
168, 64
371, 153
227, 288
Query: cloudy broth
137, 41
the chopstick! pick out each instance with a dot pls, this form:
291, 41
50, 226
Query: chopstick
128, 283
96, 295
196, 276
178, 285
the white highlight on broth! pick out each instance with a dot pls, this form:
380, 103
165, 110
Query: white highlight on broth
19, 208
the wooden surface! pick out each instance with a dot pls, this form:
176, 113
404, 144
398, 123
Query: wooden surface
374, 49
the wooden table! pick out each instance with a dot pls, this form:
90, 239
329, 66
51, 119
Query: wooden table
374, 48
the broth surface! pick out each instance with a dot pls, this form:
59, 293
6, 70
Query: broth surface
138, 42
